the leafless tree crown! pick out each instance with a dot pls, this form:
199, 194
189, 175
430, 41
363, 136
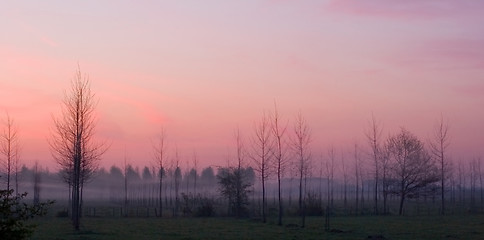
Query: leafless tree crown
72, 143
10, 151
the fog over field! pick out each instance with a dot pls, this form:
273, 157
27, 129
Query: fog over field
268, 110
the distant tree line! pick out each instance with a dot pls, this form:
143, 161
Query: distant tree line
277, 170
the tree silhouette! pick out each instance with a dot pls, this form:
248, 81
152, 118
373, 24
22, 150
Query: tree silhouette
235, 185
438, 147
37, 180
278, 132
412, 168
9, 148
72, 143
373, 136
159, 152
301, 141
261, 154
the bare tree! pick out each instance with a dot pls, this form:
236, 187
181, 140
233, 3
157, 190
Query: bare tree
278, 131
240, 148
357, 177
170, 177
72, 143
321, 167
363, 175
479, 171
344, 170
37, 180
302, 152
125, 173
9, 149
177, 180
453, 187
159, 151
187, 175
329, 167
261, 155
195, 172
235, 182
385, 176
16, 168
330, 176
301, 141
412, 168
461, 182
373, 135
438, 148
239, 175
473, 177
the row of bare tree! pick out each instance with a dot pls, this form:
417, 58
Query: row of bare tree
401, 164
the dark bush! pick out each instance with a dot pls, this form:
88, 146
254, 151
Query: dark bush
313, 205
205, 208
14, 213
188, 202
62, 214
197, 206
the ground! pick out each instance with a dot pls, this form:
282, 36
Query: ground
363, 227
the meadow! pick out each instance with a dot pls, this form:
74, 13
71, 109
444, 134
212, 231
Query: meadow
347, 227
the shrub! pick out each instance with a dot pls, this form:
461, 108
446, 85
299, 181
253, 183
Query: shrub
197, 206
188, 202
62, 214
205, 208
313, 205
14, 213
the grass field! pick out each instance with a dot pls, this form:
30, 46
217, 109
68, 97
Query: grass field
390, 227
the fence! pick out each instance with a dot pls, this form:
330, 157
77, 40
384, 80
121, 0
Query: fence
120, 212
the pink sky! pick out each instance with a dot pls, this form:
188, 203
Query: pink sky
201, 69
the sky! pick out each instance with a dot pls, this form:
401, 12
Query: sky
202, 69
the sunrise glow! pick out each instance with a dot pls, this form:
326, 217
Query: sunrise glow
203, 69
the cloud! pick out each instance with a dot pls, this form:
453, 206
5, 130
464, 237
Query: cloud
464, 52
471, 90
133, 100
441, 54
409, 9
48, 41
300, 63
37, 34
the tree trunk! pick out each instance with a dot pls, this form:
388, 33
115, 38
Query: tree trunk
356, 197
263, 199
304, 204
300, 192
81, 191
75, 200
16, 180
442, 179
385, 194
376, 193
344, 195
160, 195
279, 222
482, 190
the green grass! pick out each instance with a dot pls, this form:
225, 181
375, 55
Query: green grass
391, 227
